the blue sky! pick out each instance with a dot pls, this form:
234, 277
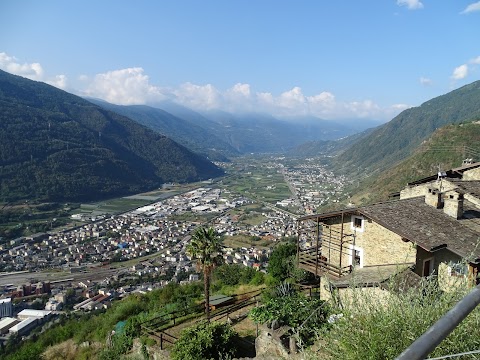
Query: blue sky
331, 59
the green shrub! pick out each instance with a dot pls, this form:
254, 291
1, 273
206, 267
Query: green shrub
381, 324
305, 315
205, 341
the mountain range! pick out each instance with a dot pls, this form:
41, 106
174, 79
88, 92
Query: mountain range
220, 135
58, 146
392, 142
445, 149
70, 148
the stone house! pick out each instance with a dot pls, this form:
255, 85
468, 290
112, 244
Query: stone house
433, 229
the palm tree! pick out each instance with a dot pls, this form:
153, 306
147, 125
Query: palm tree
205, 246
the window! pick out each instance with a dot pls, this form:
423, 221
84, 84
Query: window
358, 223
355, 257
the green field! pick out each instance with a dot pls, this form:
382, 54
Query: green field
258, 182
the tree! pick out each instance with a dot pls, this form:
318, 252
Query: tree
205, 246
281, 264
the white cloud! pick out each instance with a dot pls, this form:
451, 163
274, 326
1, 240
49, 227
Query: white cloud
10, 64
125, 87
471, 8
410, 4
132, 86
60, 81
198, 96
238, 97
293, 102
241, 89
475, 61
460, 72
425, 81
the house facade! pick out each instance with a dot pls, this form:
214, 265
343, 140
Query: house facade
433, 229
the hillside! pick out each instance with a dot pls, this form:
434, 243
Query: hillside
70, 149
327, 147
397, 139
187, 133
446, 149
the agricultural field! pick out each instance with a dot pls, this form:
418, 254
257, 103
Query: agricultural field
259, 180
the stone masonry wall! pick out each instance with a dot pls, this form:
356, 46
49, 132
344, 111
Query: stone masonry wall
379, 245
473, 174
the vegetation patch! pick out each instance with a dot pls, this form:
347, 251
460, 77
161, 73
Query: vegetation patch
382, 327
206, 341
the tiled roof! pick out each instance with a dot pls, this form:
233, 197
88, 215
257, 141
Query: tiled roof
468, 187
426, 226
369, 275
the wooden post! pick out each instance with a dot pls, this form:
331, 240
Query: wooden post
316, 252
341, 247
329, 243
161, 341
298, 242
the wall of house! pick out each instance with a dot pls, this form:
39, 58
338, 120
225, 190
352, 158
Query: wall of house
352, 297
447, 280
423, 255
474, 200
413, 191
473, 174
380, 246
442, 259
422, 189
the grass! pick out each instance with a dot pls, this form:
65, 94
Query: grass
382, 327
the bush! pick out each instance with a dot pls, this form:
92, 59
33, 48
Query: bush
305, 315
205, 341
381, 324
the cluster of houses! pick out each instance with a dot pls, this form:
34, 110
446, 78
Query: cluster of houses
141, 232
275, 226
313, 186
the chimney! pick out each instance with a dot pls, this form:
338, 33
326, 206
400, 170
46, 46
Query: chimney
434, 198
453, 204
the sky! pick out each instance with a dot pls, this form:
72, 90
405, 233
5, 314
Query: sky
342, 59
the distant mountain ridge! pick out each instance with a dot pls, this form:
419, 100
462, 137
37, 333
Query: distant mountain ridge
219, 132
328, 147
397, 139
187, 133
58, 146
253, 132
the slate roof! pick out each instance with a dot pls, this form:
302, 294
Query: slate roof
426, 226
452, 173
468, 187
370, 275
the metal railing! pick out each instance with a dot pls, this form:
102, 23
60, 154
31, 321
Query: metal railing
426, 343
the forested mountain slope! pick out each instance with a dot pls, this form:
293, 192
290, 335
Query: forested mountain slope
445, 150
187, 133
58, 146
397, 139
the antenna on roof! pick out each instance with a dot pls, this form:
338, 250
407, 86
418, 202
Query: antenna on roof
441, 174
